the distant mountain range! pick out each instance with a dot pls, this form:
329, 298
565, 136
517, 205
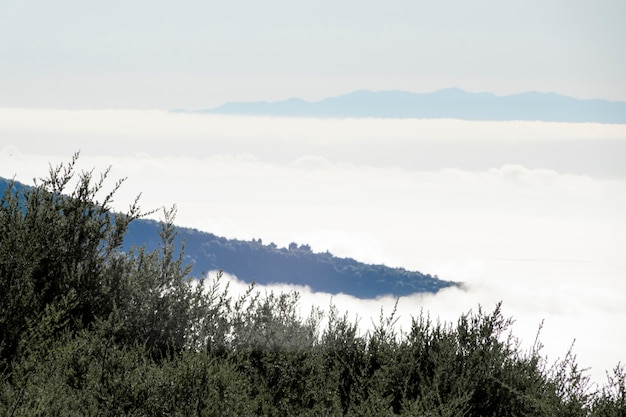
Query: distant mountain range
267, 263
451, 103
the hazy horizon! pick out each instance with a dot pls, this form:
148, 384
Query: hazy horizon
195, 54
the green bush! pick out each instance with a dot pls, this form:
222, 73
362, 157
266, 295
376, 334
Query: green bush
90, 330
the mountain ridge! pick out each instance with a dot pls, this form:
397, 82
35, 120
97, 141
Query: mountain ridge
453, 103
268, 264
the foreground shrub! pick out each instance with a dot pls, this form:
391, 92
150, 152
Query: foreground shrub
87, 329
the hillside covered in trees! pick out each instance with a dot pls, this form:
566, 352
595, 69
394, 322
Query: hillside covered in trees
296, 264
252, 261
88, 328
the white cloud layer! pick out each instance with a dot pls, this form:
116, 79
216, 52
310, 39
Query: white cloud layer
528, 213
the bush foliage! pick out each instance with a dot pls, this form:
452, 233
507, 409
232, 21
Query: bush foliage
89, 329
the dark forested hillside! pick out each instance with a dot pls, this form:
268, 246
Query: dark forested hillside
254, 261
90, 329
297, 264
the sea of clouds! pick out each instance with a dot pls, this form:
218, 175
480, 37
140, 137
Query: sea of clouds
528, 213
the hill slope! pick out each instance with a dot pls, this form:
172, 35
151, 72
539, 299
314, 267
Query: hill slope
448, 103
252, 260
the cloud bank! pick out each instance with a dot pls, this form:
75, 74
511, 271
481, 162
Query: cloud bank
528, 213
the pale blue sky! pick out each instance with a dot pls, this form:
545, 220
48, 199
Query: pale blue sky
194, 54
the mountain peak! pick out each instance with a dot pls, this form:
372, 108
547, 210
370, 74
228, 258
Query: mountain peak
448, 103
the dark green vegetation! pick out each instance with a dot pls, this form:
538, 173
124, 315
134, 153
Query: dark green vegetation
297, 264
88, 329
253, 261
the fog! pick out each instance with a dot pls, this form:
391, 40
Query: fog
528, 213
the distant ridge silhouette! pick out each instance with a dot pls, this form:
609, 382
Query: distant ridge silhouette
451, 103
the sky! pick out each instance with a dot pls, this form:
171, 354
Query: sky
199, 54
527, 213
